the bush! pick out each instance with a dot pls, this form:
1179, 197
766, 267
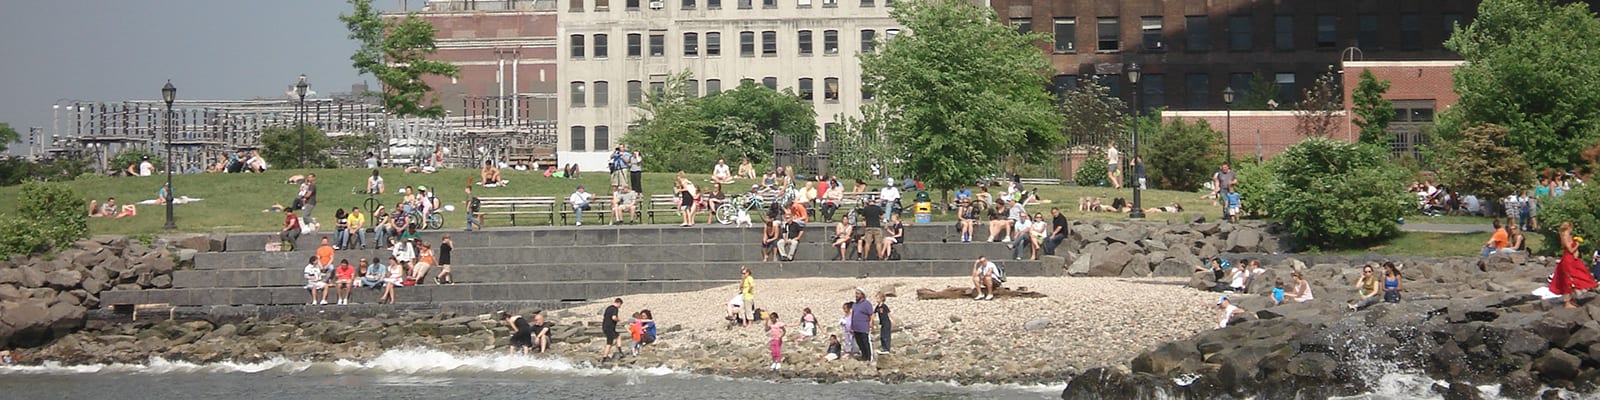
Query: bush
1335, 194
22, 237
52, 213
1480, 162
280, 146
1181, 156
1256, 184
1092, 172
1578, 206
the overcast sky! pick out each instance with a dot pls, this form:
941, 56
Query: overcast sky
102, 50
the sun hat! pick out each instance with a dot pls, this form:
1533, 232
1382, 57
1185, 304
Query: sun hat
1222, 299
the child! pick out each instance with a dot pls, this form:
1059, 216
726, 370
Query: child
636, 330
1277, 292
445, 247
885, 322
1232, 213
808, 326
775, 329
833, 348
844, 326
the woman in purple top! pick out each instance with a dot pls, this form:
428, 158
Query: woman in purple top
861, 323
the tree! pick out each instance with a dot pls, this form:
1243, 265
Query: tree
857, 142
964, 91
1531, 68
280, 146
396, 52
1577, 206
1179, 155
7, 136
1334, 194
1091, 116
1375, 112
1482, 163
679, 132
1262, 94
1317, 113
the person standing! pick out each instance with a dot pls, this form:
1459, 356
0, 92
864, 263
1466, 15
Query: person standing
775, 331
619, 166
309, 199
474, 216
608, 325
1113, 165
636, 171
1571, 275
872, 217
885, 323
446, 245
861, 324
747, 290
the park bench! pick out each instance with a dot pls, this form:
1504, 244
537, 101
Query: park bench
1026, 182
666, 203
599, 206
513, 206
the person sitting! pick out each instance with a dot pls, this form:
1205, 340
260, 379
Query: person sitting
894, 234
490, 175
1302, 289
572, 171
831, 199
842, 233
1498, 240
256, 163
985, 278
579, 201
375, 272
789, 239
1174, 208
746, 170
375, 184
720, 173
625, 202
541, 332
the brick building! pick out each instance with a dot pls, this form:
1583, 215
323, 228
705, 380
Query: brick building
505, 50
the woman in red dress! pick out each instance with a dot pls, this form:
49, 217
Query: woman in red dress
1571, 275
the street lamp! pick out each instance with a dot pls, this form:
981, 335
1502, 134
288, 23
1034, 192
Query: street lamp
169, 93
1227, 98
1133, 78
300, 89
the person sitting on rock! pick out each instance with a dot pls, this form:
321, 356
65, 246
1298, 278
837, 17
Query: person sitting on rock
1238, 282
541, 332
1226, 312
985, 278
835, 350
1302, 289
1369, 290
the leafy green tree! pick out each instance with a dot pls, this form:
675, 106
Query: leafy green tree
1092, 172
133, 156
1333, 194
7, 136
1090, 115
1374, 112
396, 52
1578, 206
1262, 93
857, 142
1481, 162
1258, 185
280, 146
1531, 68
1179, 155
49, 215
964, 91
679, 132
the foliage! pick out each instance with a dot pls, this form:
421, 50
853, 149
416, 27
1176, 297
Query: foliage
132, 156
1336, 194
857, 142
51, 214
1481, 162
1258, 183
1578, 206
1374, 112
280, 146
964, 91
1530, 68
7, 136
1090, 115
396, 52
16, 170
1178, 155
678, 132
1262, 94
1092, 172
22, 236
1317, 113
351, 150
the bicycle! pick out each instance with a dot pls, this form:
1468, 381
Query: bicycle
729, 211
434, 220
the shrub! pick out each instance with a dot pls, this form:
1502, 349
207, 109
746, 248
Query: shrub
1480, 162
1335, 194
1092, 172
280, 146
1181, 156
22, 236
1256, 184
56, 213
1578, 206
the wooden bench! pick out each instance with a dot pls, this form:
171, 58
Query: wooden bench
1040, 181
514, 206
598, 205
660, 203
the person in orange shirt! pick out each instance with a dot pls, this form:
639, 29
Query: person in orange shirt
1497, 240
325, 263
798, 209
425, 261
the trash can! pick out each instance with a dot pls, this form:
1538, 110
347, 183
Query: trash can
924, 211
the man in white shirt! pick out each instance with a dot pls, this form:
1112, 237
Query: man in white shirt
579, 202
315, 281
985, 277
721, 174
1226, 312
625, 203
1024, 240
890, 195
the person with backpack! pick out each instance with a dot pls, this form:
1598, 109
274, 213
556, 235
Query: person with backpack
986, 276
474, 217
619, 166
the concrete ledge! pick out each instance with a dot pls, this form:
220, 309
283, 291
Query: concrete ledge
595, 235
481, 292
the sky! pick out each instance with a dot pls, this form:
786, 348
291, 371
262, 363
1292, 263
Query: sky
101, 50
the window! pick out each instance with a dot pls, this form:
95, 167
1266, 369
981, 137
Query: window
805, 89
1151, 29
602, 138
600, 50
866, 91
633, 44
602, 94
1154, 87
658, 88
805, 43
577, 94
1422, 115
867, 4
713, 4
688, 4
1327, 33
632, 5
1239, 33
1286, 87
1197, 87
830, 42
713, 44
803, 4
744, 4
747, 44
770, 82
1023, 25
713, 86
1283, 32
830, 3
830, 89
889, 34
769, 43
694, 88
769, 3
1108, 29
1066, 35
1240, 82
1061, 84
867, 38
1450, 23
576, 6
658, 44
602, 5
1410, 32
1199, 33
1367, 34
691, 44
578, 136
635, 93
577, 47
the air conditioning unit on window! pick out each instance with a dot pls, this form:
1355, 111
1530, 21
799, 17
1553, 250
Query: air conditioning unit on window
657, 5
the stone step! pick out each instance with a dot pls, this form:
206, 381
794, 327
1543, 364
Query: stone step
597, 235
484, 292
643, 271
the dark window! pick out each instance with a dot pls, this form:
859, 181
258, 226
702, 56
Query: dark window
867, 38
632, 5
866, 92
1197, 89
1283, 35
714, 4
602, 138
658, 88
1150, 28
1410, 32
805, 88
600, 50
577, 94
1450, 22
1061, 84
830, 42
1327, 31
747, 44
713, 44
744, 4
576, 6
769, 43
602, 5
691, 44
830, 89
1023, 25
1287, 91
578, 136
1066, 35
602, 94
1199, 33
688, 4
694, 88
633, 44
1367, 36
867, 4
635, 92
769, 3
1422, 115
1109, 33
805, 43
1239, 33
1154, 87
1240, 81
713, 86
770, 82
577, 47
658, 45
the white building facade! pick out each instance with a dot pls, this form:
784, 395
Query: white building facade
613, 51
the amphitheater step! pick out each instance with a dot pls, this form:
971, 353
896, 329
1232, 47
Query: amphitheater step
596, 235
488, 292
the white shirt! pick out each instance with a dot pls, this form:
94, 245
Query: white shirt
1306, 293
402, 251
1227, 314
889, 194
989, 270
146, 168
313, 273
579, 198
721, 170
1239, 274
1113, 156
1024, 225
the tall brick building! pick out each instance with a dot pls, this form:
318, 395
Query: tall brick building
505, 50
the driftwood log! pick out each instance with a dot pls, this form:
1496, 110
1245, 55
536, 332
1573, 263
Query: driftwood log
967, 293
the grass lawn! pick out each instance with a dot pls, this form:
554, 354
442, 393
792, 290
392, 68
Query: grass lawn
234, 202
1430, 244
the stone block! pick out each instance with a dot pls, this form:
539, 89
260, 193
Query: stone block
553, 237
251, 296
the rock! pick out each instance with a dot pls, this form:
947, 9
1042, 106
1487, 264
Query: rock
24, 323
10, 292
162, 281
1557, 365
1244, 241
1036, 324
64, 279
1518, 384
1524, 343
10, 275
1172, 267
1457, 391
31, 278
192, 242
1502, 262
95, 282
1081, 266
1113, 261
1164, 359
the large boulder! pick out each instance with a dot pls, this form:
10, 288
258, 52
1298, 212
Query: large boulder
24, 323
1502, 262
1244, 240
1172, 267
1081, 265
1115, 259
1557, 365
31, 277
64, 279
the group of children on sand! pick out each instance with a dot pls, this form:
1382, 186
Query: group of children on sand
777, 330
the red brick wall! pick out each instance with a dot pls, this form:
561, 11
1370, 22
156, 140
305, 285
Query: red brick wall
476, 41
1416, 80
1255, 133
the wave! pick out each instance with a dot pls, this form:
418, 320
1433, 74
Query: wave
415, 362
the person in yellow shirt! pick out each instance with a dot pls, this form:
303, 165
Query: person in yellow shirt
357, 229
747, 288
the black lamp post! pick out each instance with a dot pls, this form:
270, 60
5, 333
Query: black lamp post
1133, 78
300, 89
169, 93
1227, 98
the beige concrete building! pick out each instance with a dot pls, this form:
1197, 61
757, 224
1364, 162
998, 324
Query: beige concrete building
613, 51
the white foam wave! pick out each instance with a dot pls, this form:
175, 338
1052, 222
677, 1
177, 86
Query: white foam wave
400, 361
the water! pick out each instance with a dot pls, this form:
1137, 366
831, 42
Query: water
428, 374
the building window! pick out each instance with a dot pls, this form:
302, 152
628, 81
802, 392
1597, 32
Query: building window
1154, 87
1066, 35
577, 47
1023, 25
1150, 27
600, 50
1108, 33
1450, 23
805, 43
744, 4
868, 37
889, 34
1199, 33
691, 44
658, 45
830, 3
635, 93
770, 82
747, 44
830, 89
830, 42
713, 44
602, 138
1283, 35
1240, 82
803, 4
866, 92
632, 5
1286, 88
1367, 35
713, 86
805, 89
1061, 84
713, 4
769, 43
577, 94
633, 44
658, 88
1410, 32
577, 142
602, 5
769, 4
576, 6
867, 4
688, 4
1327, 32
602, 94
694, 88
1239, 33
1197, 88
